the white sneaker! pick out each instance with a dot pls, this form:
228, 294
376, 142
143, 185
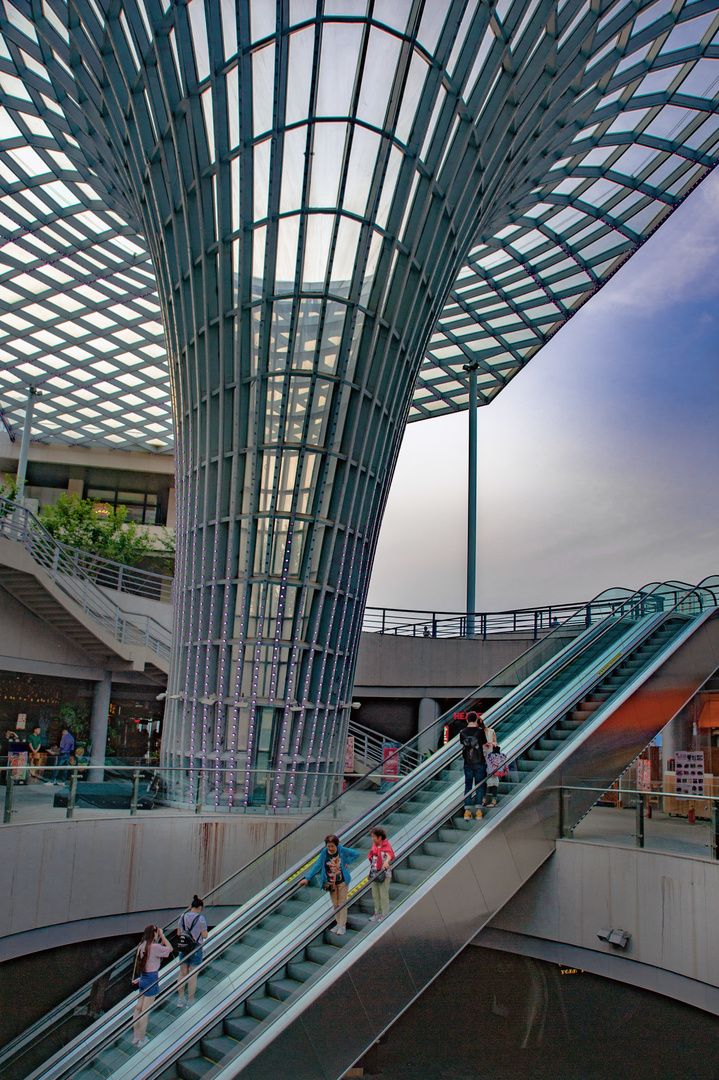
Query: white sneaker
375, 917
336, 929
340, 930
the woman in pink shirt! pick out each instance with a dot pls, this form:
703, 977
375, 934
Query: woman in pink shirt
380, 857
153, 948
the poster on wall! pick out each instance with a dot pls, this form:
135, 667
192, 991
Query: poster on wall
21, 721
689, 768
390, 763
644, 774
350, 754
17, 761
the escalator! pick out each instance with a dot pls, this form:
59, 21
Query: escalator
276, 987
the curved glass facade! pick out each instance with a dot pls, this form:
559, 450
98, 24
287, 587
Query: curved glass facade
343, 202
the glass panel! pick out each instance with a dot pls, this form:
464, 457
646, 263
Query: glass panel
433, 16
379, 72
331, 336
340, 49
389, 185
262, 19
261, 178
293, 169
363, 157
263, 82
345, 255
299, 74
318, 237
196, 15
416, 76
233, 108
229, 27
328, 148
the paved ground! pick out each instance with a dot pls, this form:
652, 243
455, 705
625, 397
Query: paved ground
610, 825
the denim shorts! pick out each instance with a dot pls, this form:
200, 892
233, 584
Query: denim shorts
191, 959
150, 983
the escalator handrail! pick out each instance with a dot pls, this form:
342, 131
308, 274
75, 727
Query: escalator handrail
68, 1006
279, 958
421, 774
281, 890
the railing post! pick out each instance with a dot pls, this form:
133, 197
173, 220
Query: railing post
639, 830
135, 792
119, 578
72, 797
536, 620
715, 829
434, 625
10, 782
384, 614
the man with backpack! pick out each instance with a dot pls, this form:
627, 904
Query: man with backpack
473, 737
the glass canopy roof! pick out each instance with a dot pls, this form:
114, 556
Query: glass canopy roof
79, 315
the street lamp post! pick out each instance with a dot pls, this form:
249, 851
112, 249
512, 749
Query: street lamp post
471, 370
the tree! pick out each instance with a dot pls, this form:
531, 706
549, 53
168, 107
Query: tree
8, 490
96, 528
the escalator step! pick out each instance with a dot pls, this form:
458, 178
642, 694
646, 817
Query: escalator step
357, 920
283, 988
237, 954
320, 954
423, 862
449, 836
465, 825
438, 850
398, 891
256, 938
405, 876
194, 1068
262, 1007
241, 1026
274, 923
216, 1048
301, 970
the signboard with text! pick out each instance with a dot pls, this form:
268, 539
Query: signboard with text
689, 769
390, 763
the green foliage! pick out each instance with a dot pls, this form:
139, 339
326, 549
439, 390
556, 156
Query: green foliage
8, 490
76, 718
166, 552
77, 523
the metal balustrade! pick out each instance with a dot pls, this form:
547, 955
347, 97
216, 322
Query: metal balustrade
532, 622
79, 575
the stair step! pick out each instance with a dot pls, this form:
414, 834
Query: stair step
262, 1007
194, 1068
241, 1026
423, 862
283, 988
302, 970
215, 1049
320, 954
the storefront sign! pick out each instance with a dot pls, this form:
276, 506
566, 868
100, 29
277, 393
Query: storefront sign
689, 768
21, 721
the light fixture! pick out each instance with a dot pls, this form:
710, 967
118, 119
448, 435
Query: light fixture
618, 938
356, 704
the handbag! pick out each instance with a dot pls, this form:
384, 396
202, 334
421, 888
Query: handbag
136, 969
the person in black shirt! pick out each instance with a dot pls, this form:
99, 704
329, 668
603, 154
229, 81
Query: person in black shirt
473, 737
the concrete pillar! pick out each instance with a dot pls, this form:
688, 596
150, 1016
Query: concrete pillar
428, 713
98, 725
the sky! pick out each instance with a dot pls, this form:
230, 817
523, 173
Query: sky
598, 464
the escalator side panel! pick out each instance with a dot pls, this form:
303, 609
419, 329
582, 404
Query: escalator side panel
506, 853
635, 721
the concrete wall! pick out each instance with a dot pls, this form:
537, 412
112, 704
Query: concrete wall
668, 903
431, 667
57, 875
25, 638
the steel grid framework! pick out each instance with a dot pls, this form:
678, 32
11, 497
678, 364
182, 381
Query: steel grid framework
343, 202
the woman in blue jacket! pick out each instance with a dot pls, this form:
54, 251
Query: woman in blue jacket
331, 865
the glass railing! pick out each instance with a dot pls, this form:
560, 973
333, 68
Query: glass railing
266, 898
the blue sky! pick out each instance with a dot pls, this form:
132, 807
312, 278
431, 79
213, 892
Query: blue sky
598, 465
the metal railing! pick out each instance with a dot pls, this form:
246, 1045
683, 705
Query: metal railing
148, 787
104, 572
369, 747
67, 571
530, 622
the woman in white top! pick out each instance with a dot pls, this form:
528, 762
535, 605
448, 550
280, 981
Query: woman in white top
153, 948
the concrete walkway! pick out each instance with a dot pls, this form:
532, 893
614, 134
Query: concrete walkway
662, 832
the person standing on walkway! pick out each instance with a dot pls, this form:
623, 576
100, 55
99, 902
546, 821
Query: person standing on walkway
153, 948
34, 741
381, 857
192, 931
66, 747
473, 738
332, 867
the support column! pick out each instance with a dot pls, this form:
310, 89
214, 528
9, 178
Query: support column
25, 444
428, 713
98, 726
471, 370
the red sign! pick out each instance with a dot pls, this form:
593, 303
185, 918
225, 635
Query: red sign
350, 754
644, 774
390, 761
460, 716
